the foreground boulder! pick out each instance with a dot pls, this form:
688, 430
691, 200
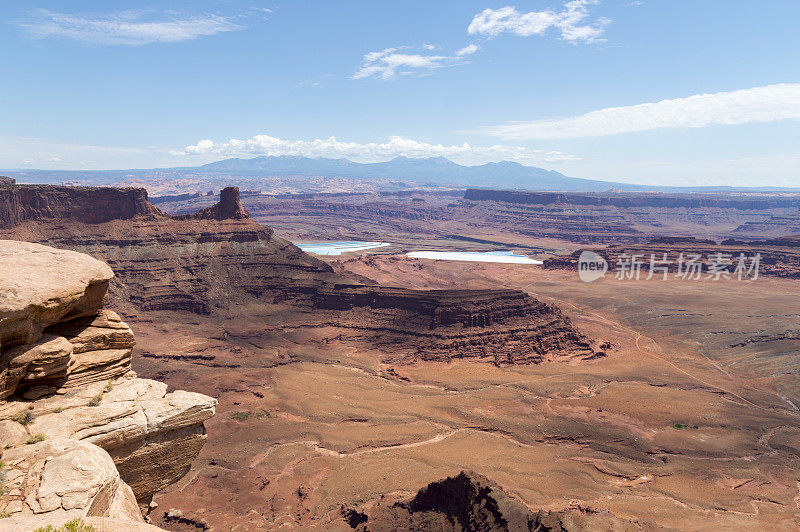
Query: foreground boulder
80, 434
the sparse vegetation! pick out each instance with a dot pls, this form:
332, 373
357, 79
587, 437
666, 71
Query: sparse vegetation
96, 400
58, 410
36, 439
245, 415
108, 388
76, 525
679, 426
23, 417
5, 515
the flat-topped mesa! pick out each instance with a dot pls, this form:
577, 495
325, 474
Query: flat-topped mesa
436, 308
81, 435
93, 205
229, 207
498, 326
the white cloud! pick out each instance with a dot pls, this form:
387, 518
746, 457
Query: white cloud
391, 62
570, 22
130, 28
760, 104
371, 151
468, 50
22, 152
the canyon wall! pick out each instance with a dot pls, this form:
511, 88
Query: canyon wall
212, 262
778, 257
687, 201
80, 434
19, 204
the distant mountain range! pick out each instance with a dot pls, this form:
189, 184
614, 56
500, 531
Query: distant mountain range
431, 170
407, 172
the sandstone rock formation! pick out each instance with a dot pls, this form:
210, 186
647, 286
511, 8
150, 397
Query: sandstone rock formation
503, 326
80, 204
214, 261
6, 180
228, 208
80, 435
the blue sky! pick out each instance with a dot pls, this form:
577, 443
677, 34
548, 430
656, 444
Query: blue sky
651, 91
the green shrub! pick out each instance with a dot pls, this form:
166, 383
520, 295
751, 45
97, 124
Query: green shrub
244, 416
36, 439
108, 388
96, 400
76, 525
679, 426
23, 417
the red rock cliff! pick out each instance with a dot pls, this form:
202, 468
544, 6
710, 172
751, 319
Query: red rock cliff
92, 205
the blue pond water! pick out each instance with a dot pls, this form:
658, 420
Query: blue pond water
337, 248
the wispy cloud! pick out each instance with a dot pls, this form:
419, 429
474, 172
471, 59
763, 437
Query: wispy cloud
468, 50
571, 22
371, 151
760, 104
26, 152
404, 61
131, 28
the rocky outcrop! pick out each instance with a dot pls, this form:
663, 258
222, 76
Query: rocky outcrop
67, 476
6, 180
80, 435
41, 287
469, 501
80, 204
228, 208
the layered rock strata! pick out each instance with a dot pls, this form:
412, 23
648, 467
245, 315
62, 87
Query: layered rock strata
778, 257
80, 435
687, 201
503, 326
213, 261
92, 205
